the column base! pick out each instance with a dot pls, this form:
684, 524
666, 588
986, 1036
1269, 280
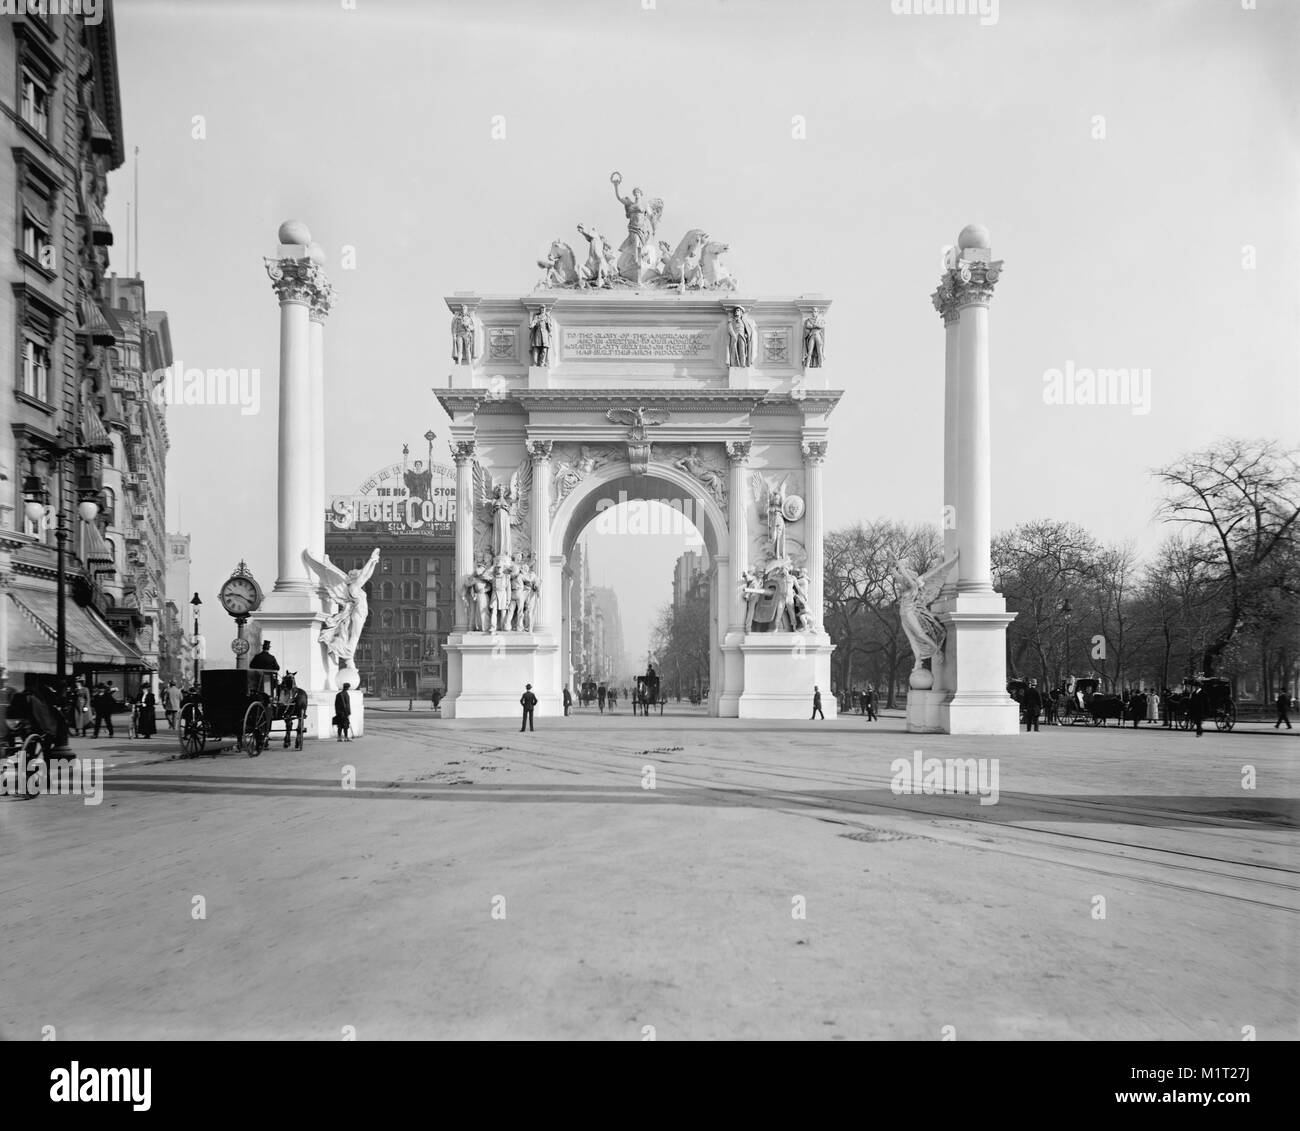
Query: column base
487, 673
974, 666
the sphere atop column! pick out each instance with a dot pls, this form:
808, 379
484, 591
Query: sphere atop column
294, 232
316, 254
973, 235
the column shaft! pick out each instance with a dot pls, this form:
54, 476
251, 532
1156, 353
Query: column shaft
737, 520
540, 452
814, 457
974, 515
951, 445
464, 457
317, 335
294, 485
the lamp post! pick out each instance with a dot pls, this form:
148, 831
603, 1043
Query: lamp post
1066, 611
197, 603
56, 453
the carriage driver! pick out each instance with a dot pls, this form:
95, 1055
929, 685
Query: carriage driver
264, 661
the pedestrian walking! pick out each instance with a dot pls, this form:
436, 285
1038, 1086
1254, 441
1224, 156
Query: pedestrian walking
1138, 708
1032, 703
568, 701
171, 703
528, 701
871, 703
83, 716
102, 705
1283, 707
601, 692
343, 714
1199, 707
611, 699
817, 704
436, 697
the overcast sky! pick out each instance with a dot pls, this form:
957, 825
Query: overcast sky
374, 126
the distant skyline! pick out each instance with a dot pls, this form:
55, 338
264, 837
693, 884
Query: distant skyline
1137, 166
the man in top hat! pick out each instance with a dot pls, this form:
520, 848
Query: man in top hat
528, 701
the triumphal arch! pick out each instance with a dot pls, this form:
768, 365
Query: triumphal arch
638, 368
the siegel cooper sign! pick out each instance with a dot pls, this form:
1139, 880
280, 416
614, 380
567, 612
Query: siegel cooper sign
402, 498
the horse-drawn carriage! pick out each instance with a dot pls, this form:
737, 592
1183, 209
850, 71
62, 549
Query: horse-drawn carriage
242, 704
1085, 703
1219, 705
646, 694
587, 692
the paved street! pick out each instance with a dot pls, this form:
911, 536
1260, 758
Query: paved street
482, 883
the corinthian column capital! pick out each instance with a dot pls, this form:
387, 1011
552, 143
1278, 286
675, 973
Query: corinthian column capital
738, 451
539, 450
293, 280
463, 452
814, 451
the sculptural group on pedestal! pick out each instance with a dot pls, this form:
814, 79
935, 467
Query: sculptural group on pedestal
503, 591
502, 594
342, 628
777, 592
642, 259
924, 631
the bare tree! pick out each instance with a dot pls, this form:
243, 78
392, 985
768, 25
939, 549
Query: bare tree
1242, 498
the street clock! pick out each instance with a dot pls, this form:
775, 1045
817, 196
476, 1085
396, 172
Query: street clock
240, 595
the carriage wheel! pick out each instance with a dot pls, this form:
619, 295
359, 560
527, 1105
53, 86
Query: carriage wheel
1225, 718
34, 748
1096, 720
257, 725
192, 731
1184, 722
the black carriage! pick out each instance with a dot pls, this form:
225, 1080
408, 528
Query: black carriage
240, 704
646, 694
1219, 705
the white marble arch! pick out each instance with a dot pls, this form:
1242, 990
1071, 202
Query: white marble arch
661, 481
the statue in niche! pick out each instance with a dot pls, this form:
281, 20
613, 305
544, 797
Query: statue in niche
773, 500
814, 339
540, 329
504, 506
466, 337
742, 338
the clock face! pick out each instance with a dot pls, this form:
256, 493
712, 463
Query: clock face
239, 596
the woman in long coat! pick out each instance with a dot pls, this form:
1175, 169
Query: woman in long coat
148, 723
83, 717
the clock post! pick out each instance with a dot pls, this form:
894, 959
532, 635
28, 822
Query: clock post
240, 595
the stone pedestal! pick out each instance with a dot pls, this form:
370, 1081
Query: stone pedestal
487, 674
923, 712
976, 666
780, 670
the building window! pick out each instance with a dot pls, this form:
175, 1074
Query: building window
410, 649
386, 618
437, 567
386, 591
410, 618
36, 369
386, 565
410, 590
36, 104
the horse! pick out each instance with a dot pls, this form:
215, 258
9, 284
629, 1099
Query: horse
292, 703
717, 275
560, 265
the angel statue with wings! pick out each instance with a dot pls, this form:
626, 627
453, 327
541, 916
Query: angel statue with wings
504, 506
925, 632
342, 628
775, 502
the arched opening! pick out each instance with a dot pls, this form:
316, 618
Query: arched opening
639, 560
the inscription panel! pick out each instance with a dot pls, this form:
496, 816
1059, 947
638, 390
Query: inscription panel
632, 343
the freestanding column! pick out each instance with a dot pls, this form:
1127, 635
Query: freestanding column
294, 282
737, 493
973, 666
814, 456
539, 451
463, 454
322, 302
944, 302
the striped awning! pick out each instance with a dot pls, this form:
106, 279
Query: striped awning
99, 555
93, 433
32, 646
90, 641
94, 325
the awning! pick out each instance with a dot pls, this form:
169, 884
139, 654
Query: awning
93, 433
99, 556
90, 641
31, 647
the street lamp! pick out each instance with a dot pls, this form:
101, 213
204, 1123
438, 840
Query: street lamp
1066, 611
197, 603
56, 453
